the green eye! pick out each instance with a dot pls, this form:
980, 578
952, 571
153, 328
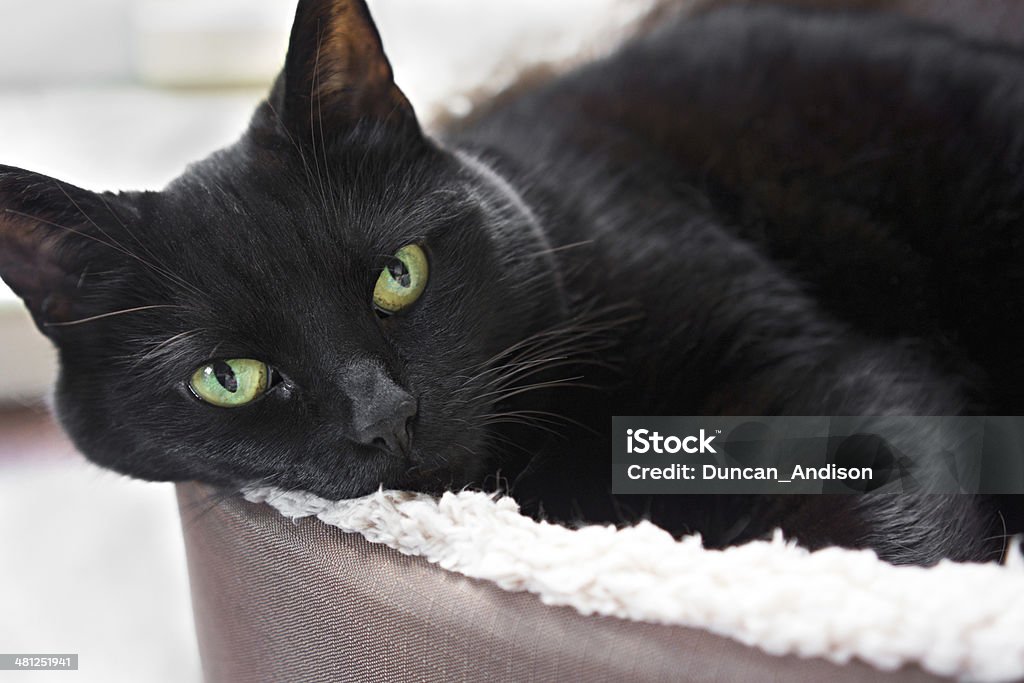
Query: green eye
231, 383
402, 280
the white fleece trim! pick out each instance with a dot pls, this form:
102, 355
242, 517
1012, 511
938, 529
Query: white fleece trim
958, 620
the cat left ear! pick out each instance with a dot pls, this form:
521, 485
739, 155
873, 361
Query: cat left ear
48, 241
336, 74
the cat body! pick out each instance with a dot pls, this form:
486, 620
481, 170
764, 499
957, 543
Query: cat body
755, 211
785, 195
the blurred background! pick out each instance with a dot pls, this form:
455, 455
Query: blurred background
120, 94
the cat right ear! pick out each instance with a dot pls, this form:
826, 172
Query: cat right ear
336, 74
48, 240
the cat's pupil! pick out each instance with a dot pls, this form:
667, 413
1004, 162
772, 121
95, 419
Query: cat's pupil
225, 375
400, 273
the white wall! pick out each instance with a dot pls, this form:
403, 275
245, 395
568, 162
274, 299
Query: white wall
117, 41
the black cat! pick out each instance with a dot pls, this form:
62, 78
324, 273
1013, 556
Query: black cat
755, 211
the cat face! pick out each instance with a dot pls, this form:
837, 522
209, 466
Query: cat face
334, 303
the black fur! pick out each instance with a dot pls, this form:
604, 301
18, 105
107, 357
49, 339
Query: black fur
755, 211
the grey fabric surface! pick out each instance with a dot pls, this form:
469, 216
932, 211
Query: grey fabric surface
279, 601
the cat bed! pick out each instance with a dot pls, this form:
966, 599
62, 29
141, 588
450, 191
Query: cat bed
329, 590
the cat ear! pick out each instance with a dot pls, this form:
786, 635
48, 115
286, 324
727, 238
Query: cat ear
336, 74
46, 238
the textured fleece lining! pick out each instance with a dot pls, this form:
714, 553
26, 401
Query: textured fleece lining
958, 620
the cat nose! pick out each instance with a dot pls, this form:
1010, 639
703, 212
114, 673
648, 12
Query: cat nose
382, 411
392, 432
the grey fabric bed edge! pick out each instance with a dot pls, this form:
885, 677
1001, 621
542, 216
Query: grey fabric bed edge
276, 600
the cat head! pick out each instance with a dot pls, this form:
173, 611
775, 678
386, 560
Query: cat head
330, 304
